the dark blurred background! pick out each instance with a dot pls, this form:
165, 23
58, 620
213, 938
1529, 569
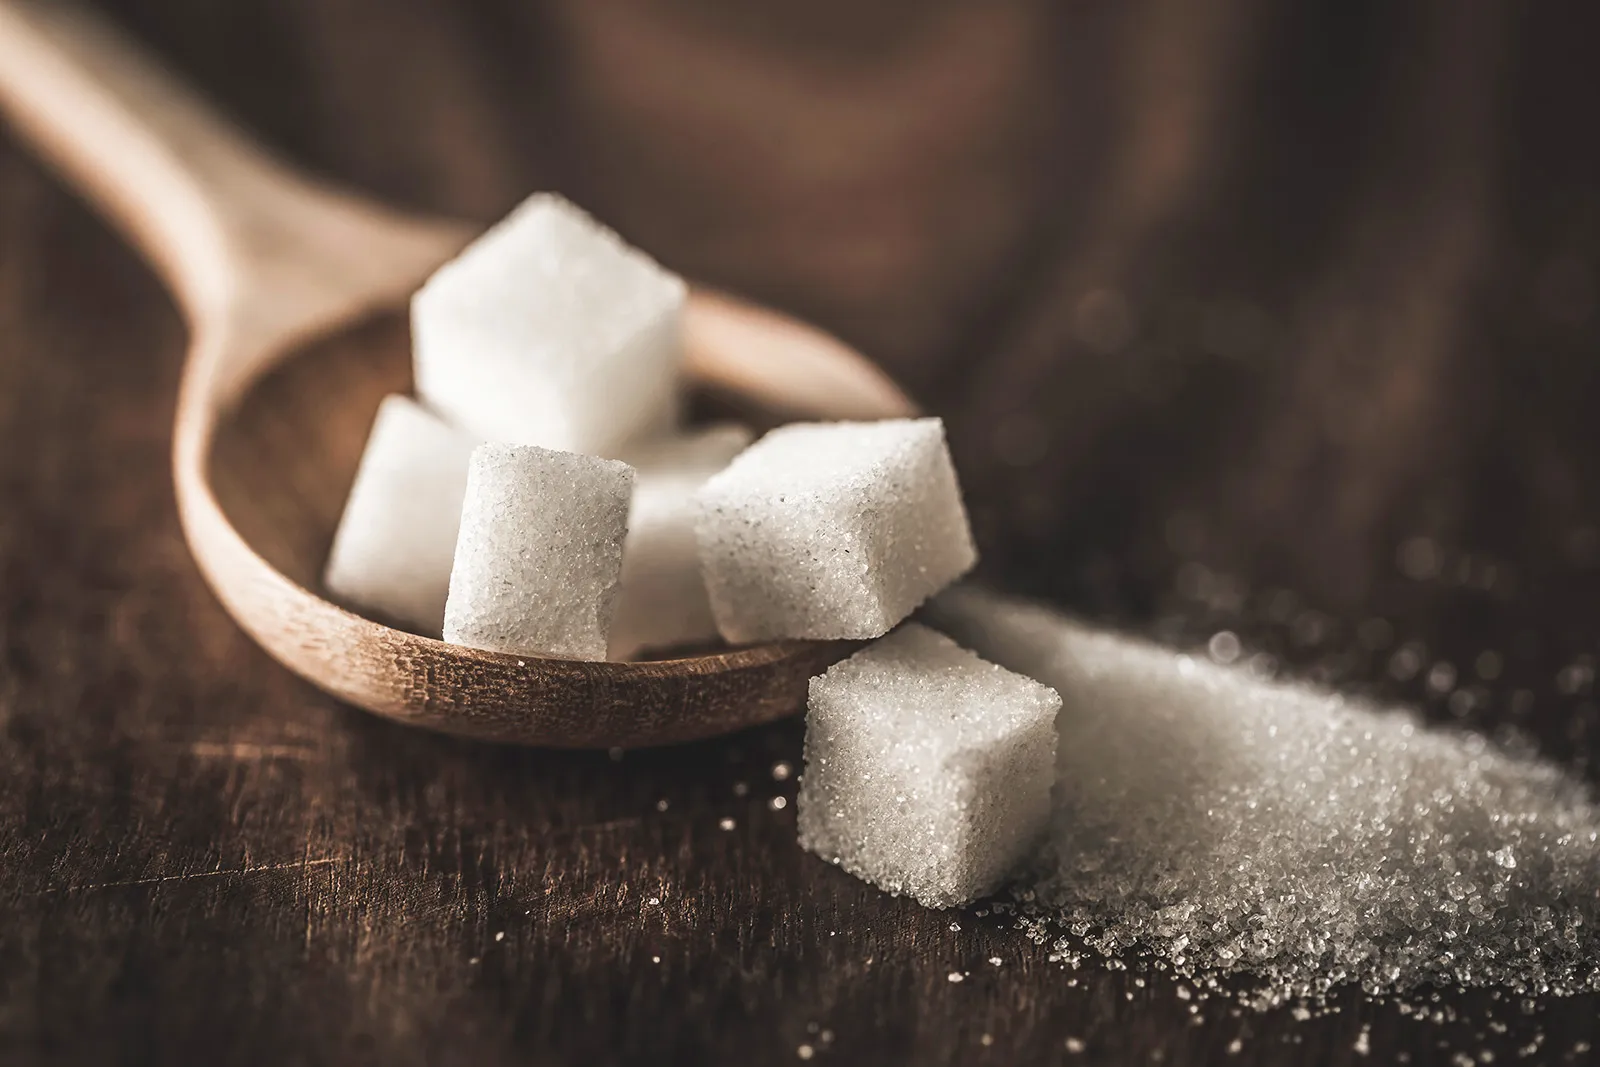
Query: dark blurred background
1273, 286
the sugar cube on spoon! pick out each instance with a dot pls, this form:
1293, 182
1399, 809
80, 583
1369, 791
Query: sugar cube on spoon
397, 538
832, 530
927, 770
663, 601
549, 330
540, 552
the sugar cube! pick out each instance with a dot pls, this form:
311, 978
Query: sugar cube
663, 601
832, 530
928, 771
549, 330
393, 550
540, 552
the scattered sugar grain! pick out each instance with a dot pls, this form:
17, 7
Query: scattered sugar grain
1224, 824
927, 770
662, 601
832, 530
396, 540
549, 330
540, 552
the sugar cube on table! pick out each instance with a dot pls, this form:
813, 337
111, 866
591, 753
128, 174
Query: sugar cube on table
549, 330
397, 538
928, 770
663, 601
832, 530
540, 552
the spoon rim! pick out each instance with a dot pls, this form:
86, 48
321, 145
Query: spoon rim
422, 680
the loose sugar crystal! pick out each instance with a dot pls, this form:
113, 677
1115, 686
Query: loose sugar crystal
549, 330
832, 530
928, 770
540, 552
395, 543
1225, 823
663, 601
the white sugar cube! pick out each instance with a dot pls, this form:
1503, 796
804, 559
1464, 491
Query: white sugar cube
396, 540
540, 552
663, 601
549, 330
832, 530
928, 771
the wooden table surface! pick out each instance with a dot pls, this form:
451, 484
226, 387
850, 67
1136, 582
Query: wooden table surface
1255, 331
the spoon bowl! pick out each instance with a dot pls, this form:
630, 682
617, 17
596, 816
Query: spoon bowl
294, 293
281, 465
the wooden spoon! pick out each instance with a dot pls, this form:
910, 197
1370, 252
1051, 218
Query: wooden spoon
294, 295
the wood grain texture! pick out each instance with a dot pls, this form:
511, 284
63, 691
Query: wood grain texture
204, 859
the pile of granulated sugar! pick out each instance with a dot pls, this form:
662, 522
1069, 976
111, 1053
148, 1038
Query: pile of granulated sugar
1222, 824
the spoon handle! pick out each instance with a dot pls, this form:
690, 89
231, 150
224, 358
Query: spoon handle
242, 240
260, 258
259, 255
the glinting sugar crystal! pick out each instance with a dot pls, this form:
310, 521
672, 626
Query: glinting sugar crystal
1223, 823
